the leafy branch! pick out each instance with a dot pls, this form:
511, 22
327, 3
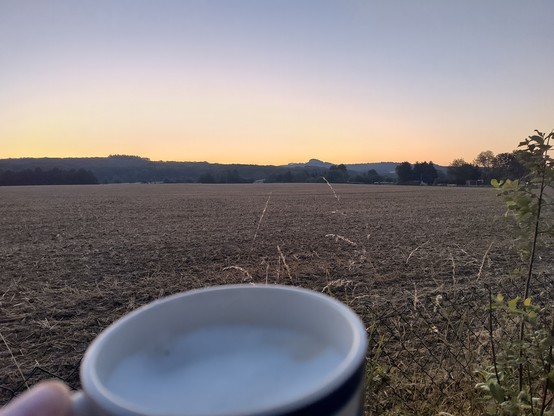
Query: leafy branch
511, 392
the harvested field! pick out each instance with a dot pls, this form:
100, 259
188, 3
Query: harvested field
75, 258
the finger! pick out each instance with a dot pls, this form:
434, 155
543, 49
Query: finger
51, 398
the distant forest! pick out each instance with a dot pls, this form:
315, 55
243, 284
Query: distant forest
134, 169
53, 176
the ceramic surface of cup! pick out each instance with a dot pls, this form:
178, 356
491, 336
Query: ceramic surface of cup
229, 350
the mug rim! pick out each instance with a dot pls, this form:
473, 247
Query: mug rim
346, 375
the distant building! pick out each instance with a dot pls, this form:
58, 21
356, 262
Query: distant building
478, 182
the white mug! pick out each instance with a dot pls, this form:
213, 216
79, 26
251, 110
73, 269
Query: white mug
245, 350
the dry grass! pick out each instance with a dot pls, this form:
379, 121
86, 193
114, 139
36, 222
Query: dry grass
74, 259
260, 223
14, 360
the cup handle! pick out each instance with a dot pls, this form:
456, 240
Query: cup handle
81, 405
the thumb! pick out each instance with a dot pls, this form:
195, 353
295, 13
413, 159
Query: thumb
51, 398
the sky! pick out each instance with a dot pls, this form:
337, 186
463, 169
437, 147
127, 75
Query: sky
274, 81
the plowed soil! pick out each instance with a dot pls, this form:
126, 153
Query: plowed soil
75, 258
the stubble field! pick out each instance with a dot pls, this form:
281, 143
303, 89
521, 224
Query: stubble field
75, 258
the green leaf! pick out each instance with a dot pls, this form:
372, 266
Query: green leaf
500, 297
527, 302
512, 304
495, 183
497, 392
491, 409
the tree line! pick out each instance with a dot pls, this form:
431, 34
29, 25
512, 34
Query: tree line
53, 176
484, 167
124, 169
335, 174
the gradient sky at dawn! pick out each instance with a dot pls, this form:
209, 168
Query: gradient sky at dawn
274, 81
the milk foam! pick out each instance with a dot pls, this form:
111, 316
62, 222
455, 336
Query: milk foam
223, 370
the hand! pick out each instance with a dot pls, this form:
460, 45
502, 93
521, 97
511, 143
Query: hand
50, 398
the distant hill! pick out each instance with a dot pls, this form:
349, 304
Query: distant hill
382, 168
125, 169
312, 162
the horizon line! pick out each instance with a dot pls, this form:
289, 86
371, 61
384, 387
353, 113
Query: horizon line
212, 163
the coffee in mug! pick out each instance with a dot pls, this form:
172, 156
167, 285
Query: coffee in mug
228, 351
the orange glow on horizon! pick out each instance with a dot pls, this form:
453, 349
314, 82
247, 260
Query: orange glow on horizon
342, 84
220, 129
